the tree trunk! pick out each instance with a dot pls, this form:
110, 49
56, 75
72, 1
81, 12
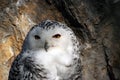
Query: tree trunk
95, 22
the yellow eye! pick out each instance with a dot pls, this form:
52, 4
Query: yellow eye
37, 37
56, 36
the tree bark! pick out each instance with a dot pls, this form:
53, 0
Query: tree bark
95, 22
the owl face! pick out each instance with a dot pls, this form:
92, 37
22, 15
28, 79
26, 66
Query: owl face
52, 37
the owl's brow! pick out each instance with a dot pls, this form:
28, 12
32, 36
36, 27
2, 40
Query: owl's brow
47, 25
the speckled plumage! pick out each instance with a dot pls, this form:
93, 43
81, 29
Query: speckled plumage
50, 52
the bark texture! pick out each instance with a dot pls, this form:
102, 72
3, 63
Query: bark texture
96, 22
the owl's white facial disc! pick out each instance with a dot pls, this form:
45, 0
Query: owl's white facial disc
54, 37
55, 42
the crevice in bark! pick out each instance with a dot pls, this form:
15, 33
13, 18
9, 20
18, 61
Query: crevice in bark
109, 67
63, 7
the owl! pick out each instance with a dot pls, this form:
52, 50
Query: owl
50, 51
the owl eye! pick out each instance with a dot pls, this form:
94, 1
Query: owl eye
37, 37
56, 36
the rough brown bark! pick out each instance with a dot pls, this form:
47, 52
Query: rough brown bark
96, 22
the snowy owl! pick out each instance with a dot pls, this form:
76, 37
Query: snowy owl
50, 51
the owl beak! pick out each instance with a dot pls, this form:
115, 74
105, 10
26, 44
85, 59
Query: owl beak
46, 46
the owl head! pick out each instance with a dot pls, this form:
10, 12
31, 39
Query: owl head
50, 35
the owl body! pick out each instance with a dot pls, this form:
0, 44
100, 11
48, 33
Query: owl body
50, 52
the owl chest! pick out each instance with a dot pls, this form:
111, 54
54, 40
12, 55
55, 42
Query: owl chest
57, 71
57, 66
